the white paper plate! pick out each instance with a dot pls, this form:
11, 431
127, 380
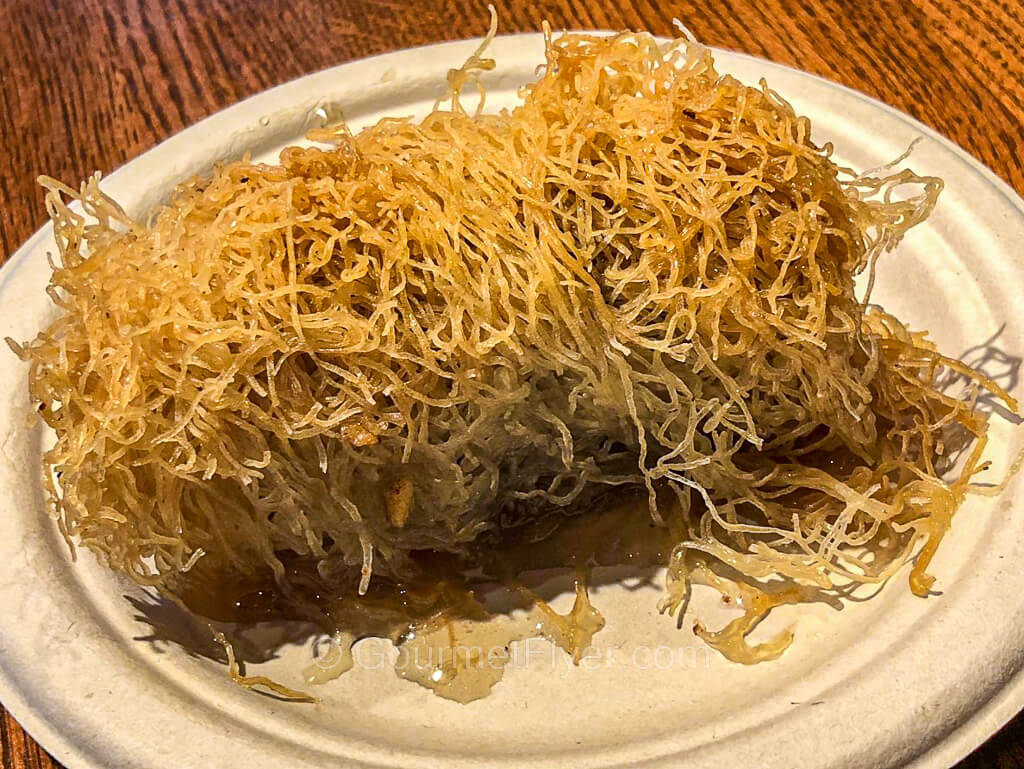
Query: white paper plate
889, 681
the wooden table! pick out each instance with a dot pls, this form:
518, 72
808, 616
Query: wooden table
90, 84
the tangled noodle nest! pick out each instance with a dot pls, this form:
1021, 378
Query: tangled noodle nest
428, 332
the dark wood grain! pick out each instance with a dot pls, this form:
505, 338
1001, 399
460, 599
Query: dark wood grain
86, 85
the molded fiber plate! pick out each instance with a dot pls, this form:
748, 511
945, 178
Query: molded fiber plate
884, 682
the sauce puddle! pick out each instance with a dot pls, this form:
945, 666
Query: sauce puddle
448, 641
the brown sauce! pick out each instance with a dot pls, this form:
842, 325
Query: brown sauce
449, 641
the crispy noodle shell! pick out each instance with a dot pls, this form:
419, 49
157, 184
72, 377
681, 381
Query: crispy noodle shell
425, 333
